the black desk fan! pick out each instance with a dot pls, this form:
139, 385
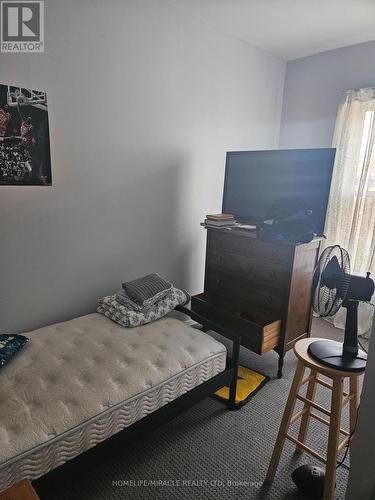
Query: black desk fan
332, 287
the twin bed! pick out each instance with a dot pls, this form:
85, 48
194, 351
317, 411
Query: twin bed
77, 383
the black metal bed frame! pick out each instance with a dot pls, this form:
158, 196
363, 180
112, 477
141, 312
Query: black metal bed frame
86, 461
232, 361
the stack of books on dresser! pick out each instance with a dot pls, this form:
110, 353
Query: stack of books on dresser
220, 220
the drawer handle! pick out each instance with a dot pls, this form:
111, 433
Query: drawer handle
272, 274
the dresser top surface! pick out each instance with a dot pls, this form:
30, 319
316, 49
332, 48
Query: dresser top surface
252, 234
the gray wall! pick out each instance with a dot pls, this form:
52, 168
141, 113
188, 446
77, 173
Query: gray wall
313, 89
143, 103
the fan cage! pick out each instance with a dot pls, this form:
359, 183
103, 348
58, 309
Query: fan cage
327, 301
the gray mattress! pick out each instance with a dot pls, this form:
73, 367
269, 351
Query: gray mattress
77, 383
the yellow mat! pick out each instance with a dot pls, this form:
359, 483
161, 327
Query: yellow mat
248, 383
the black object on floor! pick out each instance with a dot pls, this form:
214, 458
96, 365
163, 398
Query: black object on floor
309, 479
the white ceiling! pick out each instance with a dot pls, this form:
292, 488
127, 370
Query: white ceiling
290, 28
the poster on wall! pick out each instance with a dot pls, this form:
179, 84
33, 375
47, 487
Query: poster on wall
25, 158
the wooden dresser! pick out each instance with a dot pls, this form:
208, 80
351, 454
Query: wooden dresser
259, 290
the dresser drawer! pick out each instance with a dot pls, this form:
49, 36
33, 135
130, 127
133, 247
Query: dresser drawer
267, 272
259, 334
259, 297
244, 245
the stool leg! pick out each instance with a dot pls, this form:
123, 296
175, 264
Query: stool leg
285, 422
310, 394
353, 405
333, 438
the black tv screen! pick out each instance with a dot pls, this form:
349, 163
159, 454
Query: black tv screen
256, 180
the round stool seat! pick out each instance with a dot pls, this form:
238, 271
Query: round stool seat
301, 351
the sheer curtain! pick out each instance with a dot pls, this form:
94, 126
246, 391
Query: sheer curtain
351, 208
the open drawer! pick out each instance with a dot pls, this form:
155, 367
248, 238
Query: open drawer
258, 333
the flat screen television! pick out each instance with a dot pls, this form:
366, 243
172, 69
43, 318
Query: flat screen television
256, 180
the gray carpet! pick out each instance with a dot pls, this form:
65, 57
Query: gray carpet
213, 453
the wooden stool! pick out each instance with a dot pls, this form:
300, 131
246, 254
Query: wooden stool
338, 400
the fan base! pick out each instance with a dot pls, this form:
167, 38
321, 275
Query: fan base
331, 354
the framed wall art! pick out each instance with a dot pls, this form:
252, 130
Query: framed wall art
25, 157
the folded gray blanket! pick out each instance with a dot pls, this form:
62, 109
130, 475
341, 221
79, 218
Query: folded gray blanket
145, 289
121, 314
125, 300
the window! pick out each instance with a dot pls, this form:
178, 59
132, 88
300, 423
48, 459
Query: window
351, 210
